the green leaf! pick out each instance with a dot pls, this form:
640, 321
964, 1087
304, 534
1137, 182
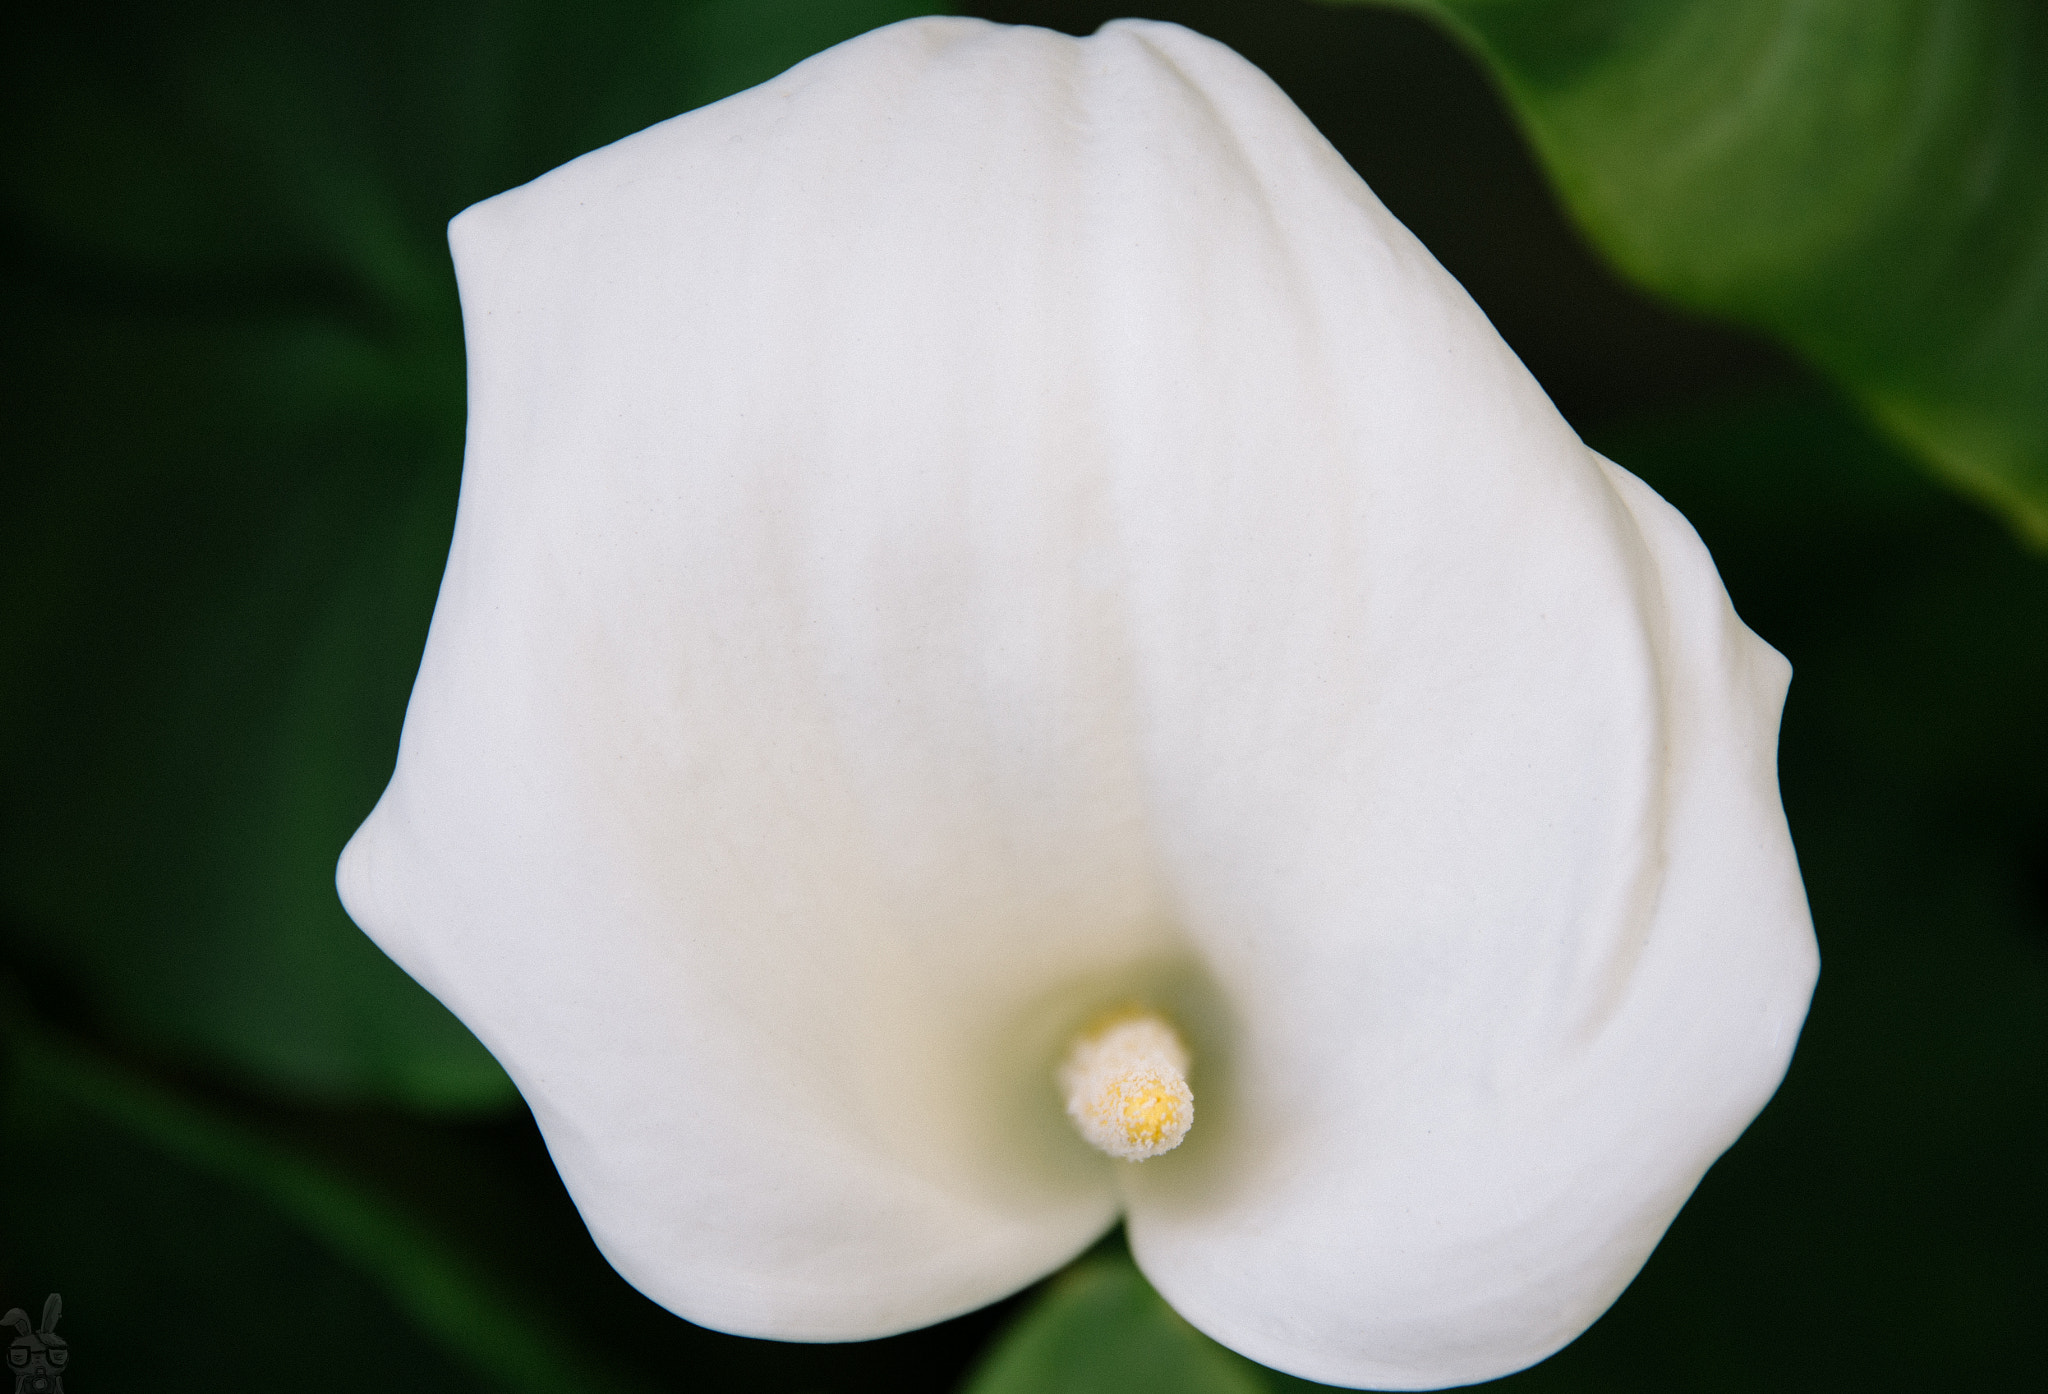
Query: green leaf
1099, 1328
234, 332
157, 1209
1866, 180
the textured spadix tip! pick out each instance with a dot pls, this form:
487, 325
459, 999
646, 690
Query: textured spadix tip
1126, 1083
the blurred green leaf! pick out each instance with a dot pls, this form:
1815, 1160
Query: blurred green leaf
185, 1239
333, 1248
1865, 179
238, 358
1099, 1328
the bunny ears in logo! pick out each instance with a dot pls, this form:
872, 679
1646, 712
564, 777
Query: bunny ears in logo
41, 1354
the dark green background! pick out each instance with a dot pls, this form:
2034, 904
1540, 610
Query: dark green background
251, 1154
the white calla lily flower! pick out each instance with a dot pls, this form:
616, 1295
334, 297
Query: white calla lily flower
1001, 600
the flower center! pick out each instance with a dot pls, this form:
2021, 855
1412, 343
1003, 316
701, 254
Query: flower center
1126, 1084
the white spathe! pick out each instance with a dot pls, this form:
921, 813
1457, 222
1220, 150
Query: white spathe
990, 526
